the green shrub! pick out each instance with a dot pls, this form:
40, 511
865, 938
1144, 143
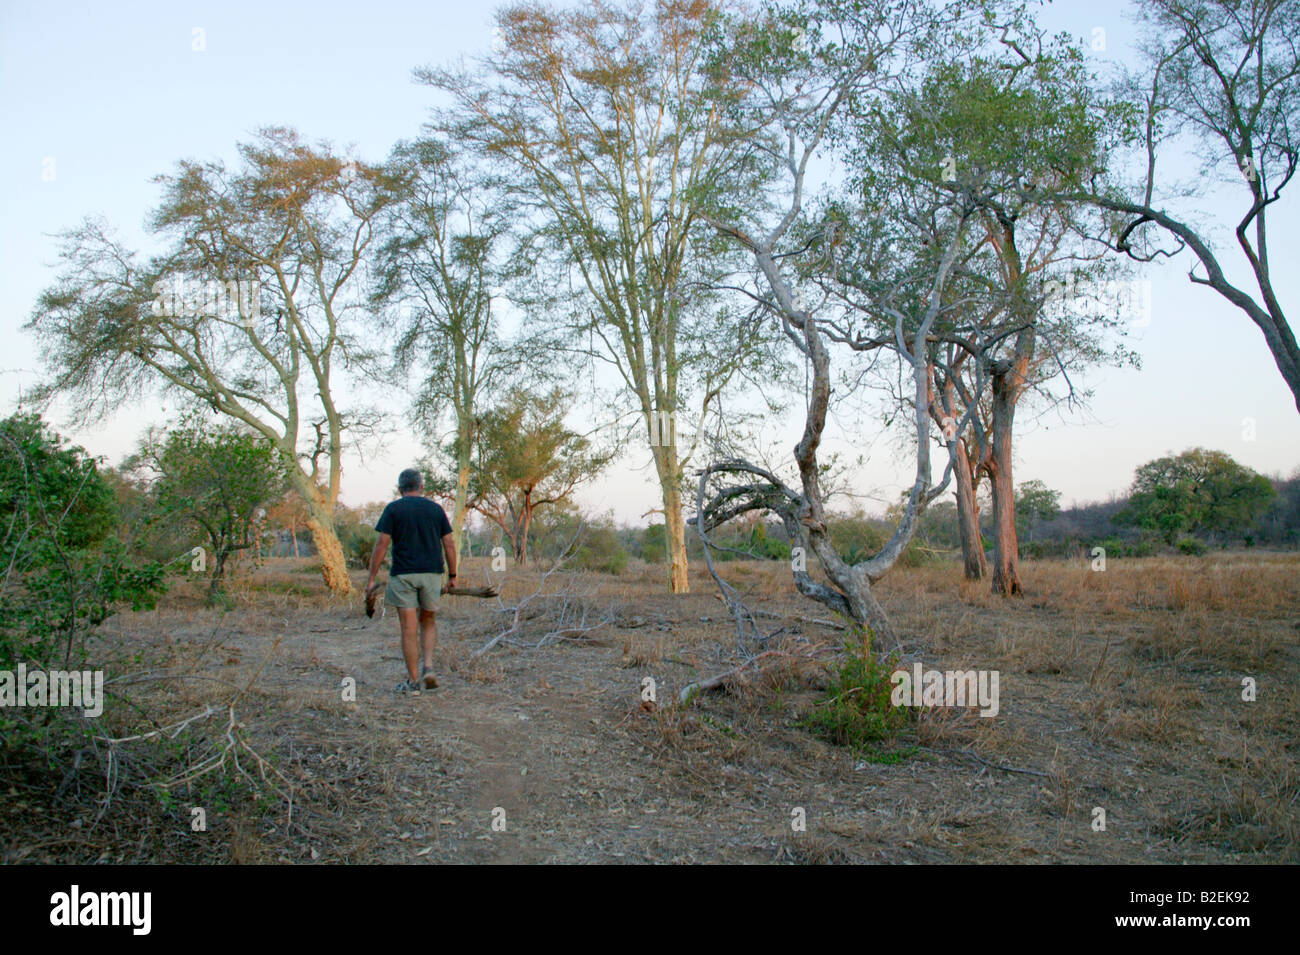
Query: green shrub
600, 551
856, 712
63, 569
1192, 546
1041, 549
654, 544
1138, 547
917, 554
147, 535
1142, 547
855, 538
768, 548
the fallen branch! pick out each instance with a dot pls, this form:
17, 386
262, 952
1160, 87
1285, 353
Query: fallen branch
174, 728
834, 625
980, 759
691, 690
518, 609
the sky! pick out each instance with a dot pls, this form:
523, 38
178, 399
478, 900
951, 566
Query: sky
96, 99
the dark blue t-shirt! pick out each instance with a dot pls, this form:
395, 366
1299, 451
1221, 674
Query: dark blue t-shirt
416, 525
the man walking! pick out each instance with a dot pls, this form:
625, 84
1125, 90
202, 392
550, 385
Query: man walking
420, 534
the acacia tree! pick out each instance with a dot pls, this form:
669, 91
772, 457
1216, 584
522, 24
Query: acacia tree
436, 273
1221, 81
1075, 341
599, 117
1003, 108
526, 459
247, 312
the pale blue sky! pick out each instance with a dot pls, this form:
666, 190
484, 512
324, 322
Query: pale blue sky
116, 94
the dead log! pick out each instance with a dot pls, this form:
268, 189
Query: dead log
690, 691
470, 591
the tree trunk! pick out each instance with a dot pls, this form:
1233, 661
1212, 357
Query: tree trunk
462, 495
219, 554
334, 568
1010, 377
679, 568
675, 528
974, 563
943, 410
464, 465
1006, 548
521, 544
865, 609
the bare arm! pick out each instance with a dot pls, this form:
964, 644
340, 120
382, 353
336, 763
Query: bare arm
449, 548
377, 559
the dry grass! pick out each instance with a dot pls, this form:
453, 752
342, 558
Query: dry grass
1119, 689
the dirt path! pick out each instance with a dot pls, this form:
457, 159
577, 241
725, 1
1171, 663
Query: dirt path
522, 759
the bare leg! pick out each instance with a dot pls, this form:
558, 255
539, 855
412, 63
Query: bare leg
428, 636
410, 646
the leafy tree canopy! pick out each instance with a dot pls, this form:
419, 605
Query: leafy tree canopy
1198, 491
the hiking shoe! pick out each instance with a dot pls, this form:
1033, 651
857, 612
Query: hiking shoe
428, 679
409, 686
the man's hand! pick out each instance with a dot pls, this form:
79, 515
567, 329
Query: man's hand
371, 586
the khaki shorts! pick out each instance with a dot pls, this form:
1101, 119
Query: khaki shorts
408, 591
